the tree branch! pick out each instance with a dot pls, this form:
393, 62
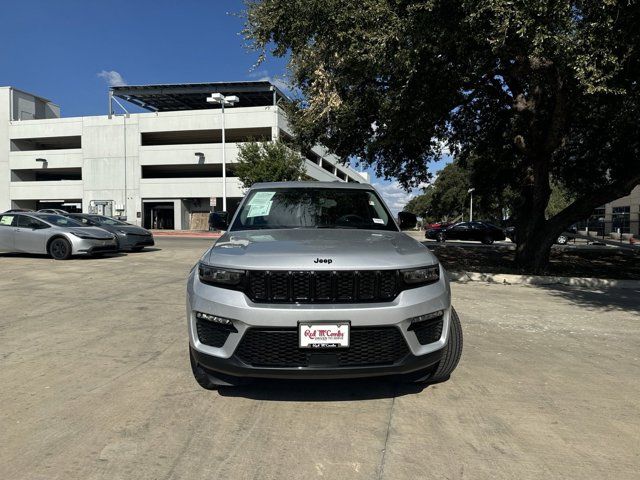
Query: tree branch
583, 206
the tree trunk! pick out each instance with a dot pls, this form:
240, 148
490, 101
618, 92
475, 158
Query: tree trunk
535, 236
533, 251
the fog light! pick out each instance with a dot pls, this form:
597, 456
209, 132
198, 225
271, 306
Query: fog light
212, 318
428, 316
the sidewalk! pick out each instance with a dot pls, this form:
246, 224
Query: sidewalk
186, 233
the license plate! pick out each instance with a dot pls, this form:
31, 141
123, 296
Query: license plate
323, 335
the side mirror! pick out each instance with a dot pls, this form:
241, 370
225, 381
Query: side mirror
218, 221
407, 220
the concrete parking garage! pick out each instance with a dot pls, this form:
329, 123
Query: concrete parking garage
96, 385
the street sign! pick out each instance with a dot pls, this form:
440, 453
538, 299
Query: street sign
212, 201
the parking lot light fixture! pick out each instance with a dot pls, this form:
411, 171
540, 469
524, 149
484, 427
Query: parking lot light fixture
223, 101
470, 191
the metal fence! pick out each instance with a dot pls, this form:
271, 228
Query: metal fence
618, 231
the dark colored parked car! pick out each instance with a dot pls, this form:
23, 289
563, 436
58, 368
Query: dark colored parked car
54, 211
18, 210
130, 237
562, 239
471, 231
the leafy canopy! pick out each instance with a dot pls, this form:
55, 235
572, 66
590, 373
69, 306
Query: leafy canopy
268, 162
390, 80
524, 91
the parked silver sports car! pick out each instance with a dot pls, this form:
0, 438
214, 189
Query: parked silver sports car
130, 237
55, 235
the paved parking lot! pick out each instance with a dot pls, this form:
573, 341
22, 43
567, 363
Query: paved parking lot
95, 384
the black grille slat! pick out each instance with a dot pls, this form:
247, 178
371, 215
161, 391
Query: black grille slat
279, 283
388, 284
301, 286
323, 286
366, 285
258, 286
344, 286
279, 348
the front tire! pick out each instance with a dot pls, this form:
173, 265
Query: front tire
60, 249
451, 353
440, 237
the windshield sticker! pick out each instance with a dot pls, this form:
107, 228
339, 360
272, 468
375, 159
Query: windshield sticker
261, 199
378, 220
6, 220
372, 203
259, 210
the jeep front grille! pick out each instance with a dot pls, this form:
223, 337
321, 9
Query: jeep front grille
322, 286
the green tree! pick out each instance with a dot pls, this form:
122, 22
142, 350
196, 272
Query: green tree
558, 200
450, 198
420, 205
268, 162
534, 89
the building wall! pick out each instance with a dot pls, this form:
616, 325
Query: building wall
633, 202
5, 171
111, 156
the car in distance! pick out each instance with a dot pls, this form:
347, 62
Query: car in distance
54, 211
130, 237
484, 232
316, 280
18, 210
58, 236
562, 239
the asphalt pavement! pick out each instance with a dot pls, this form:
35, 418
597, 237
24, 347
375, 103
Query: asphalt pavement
95, 384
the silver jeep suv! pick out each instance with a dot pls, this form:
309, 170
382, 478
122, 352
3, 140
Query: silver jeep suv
316, 280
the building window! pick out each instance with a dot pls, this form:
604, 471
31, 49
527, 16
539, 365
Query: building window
620, 219
595, 222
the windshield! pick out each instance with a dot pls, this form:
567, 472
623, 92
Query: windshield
59, 220
313, 208
106, 220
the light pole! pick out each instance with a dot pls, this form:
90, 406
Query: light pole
223, 101
471, 190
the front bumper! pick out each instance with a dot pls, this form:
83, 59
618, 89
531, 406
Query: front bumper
247, 315
127, 242
234, 367
90, 246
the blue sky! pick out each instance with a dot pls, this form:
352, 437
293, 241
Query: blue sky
58, 49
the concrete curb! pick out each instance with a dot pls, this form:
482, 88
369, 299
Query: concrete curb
185, 234
511, 279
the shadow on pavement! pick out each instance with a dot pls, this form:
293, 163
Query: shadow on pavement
322, 390
609, 299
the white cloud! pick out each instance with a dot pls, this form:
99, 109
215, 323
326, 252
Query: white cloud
394, 195
258, 74
113, 78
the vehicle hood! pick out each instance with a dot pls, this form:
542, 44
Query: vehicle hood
129, 229
94, 232
318, 249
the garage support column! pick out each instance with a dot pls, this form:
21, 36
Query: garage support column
177, 214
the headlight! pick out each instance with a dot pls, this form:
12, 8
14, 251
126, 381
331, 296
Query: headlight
84, 236
219, 276
421, 276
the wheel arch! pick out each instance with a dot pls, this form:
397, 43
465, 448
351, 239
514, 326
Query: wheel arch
58, 235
